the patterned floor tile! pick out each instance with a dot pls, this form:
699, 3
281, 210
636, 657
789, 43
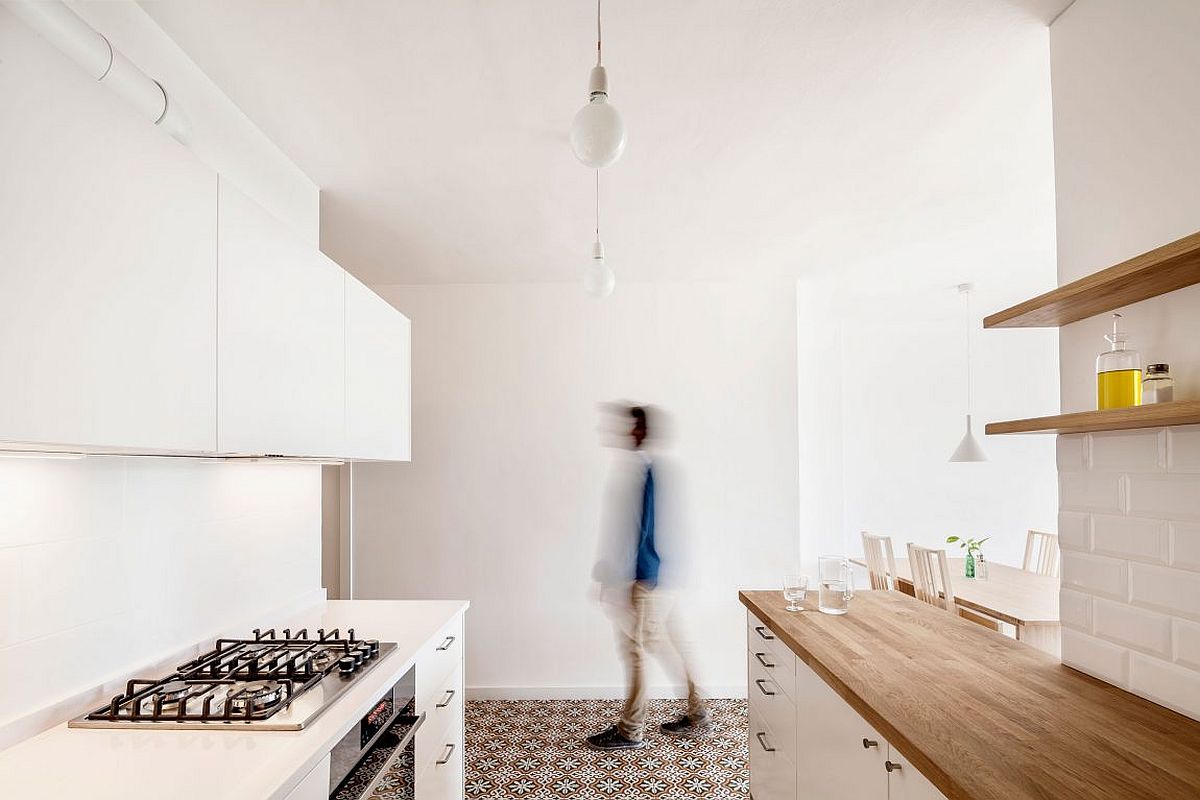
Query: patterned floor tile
532, 750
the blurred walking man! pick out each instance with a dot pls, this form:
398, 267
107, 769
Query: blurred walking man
639, 560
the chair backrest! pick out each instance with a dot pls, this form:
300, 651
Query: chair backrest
1041, 553
881, 561
931, 577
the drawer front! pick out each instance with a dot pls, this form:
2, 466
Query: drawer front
772, 774
759, 638
443, 710
771, 705
440, 764
437, 661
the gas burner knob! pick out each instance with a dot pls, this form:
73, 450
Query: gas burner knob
347, 665
366, 651
373, 644
358, 657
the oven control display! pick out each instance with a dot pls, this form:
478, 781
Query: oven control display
377, 718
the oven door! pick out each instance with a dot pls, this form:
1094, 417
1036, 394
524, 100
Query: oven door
389, 766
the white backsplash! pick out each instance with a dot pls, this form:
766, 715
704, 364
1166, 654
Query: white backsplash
110, 564
1129, 527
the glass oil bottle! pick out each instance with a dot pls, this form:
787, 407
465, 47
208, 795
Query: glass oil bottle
1118, 372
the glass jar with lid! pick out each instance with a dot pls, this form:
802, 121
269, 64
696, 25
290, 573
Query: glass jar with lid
1118, 372
1158, 386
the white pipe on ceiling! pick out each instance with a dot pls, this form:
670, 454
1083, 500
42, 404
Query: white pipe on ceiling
88, 48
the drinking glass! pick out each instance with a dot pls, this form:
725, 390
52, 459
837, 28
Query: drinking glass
795, 588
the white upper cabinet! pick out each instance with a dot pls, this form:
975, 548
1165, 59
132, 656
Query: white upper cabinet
378, 377
107, 266
280, 337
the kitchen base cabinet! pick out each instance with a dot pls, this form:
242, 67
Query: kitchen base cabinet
440, 741
812, 745
315, 785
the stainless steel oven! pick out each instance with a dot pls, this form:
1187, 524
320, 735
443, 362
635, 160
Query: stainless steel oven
380, 747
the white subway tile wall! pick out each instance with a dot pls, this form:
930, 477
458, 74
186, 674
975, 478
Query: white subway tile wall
1129, 528
108, 564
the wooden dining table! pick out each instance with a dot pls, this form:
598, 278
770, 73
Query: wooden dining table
1026, 600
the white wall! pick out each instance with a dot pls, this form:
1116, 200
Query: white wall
501, 501
110, 564
1126, 123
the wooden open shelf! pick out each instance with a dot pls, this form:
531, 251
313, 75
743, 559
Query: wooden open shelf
1164, 269
1158, 415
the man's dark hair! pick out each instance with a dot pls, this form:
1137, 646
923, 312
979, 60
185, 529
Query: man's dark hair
640, 418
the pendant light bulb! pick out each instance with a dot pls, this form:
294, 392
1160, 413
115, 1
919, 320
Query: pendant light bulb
598, 133
598, 278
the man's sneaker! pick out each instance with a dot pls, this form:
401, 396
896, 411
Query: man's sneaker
612, 739
686, 726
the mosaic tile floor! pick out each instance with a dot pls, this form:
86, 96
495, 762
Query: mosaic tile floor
533, 750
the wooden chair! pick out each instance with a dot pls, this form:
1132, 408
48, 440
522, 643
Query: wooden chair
882, 572
931, 577
1041, 553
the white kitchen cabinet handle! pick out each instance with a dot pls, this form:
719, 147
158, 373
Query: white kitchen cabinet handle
762, 740
761, 631
891, 766
449, 697
446, 760
446, 644
762, 660
869, 743
759, 682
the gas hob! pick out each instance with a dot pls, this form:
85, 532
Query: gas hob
266, 683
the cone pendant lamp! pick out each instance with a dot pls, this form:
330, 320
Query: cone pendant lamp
969, 449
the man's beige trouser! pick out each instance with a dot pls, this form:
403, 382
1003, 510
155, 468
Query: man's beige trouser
649, 628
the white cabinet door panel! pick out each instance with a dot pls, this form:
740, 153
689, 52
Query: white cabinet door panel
907, 783
838, 753
107, 265
378, 376
315, 785
772, 774
281, 337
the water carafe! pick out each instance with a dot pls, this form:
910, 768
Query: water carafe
836, 585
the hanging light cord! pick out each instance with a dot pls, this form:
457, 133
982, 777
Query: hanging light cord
967, 298
599, 39
597, 205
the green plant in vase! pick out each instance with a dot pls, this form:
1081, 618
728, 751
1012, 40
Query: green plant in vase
972, 546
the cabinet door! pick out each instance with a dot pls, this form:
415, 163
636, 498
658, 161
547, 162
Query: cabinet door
378, 377
315, 785
839, 754
280, 337
107, 265
906, 783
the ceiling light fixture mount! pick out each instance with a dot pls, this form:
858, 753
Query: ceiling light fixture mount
598, 133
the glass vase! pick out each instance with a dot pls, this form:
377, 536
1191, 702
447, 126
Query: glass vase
969, 565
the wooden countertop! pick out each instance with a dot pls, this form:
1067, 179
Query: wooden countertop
985, 717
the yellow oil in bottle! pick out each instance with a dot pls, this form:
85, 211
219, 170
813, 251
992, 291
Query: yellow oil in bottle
1119, 388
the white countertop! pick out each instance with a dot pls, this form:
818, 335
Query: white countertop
225, 764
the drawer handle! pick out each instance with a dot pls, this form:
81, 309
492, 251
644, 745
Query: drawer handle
762, 740
450, 752
891, 766
446, 644
763, 632
759, 682
869, 743
449, 697
763, 661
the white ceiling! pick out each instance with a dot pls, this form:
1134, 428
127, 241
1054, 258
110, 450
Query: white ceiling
765, 136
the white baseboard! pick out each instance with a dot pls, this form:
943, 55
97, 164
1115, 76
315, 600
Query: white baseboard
590, 692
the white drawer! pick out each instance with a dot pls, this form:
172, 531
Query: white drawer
769, 704
440, 764
760, 638
773, 776
782, 672
443, 709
